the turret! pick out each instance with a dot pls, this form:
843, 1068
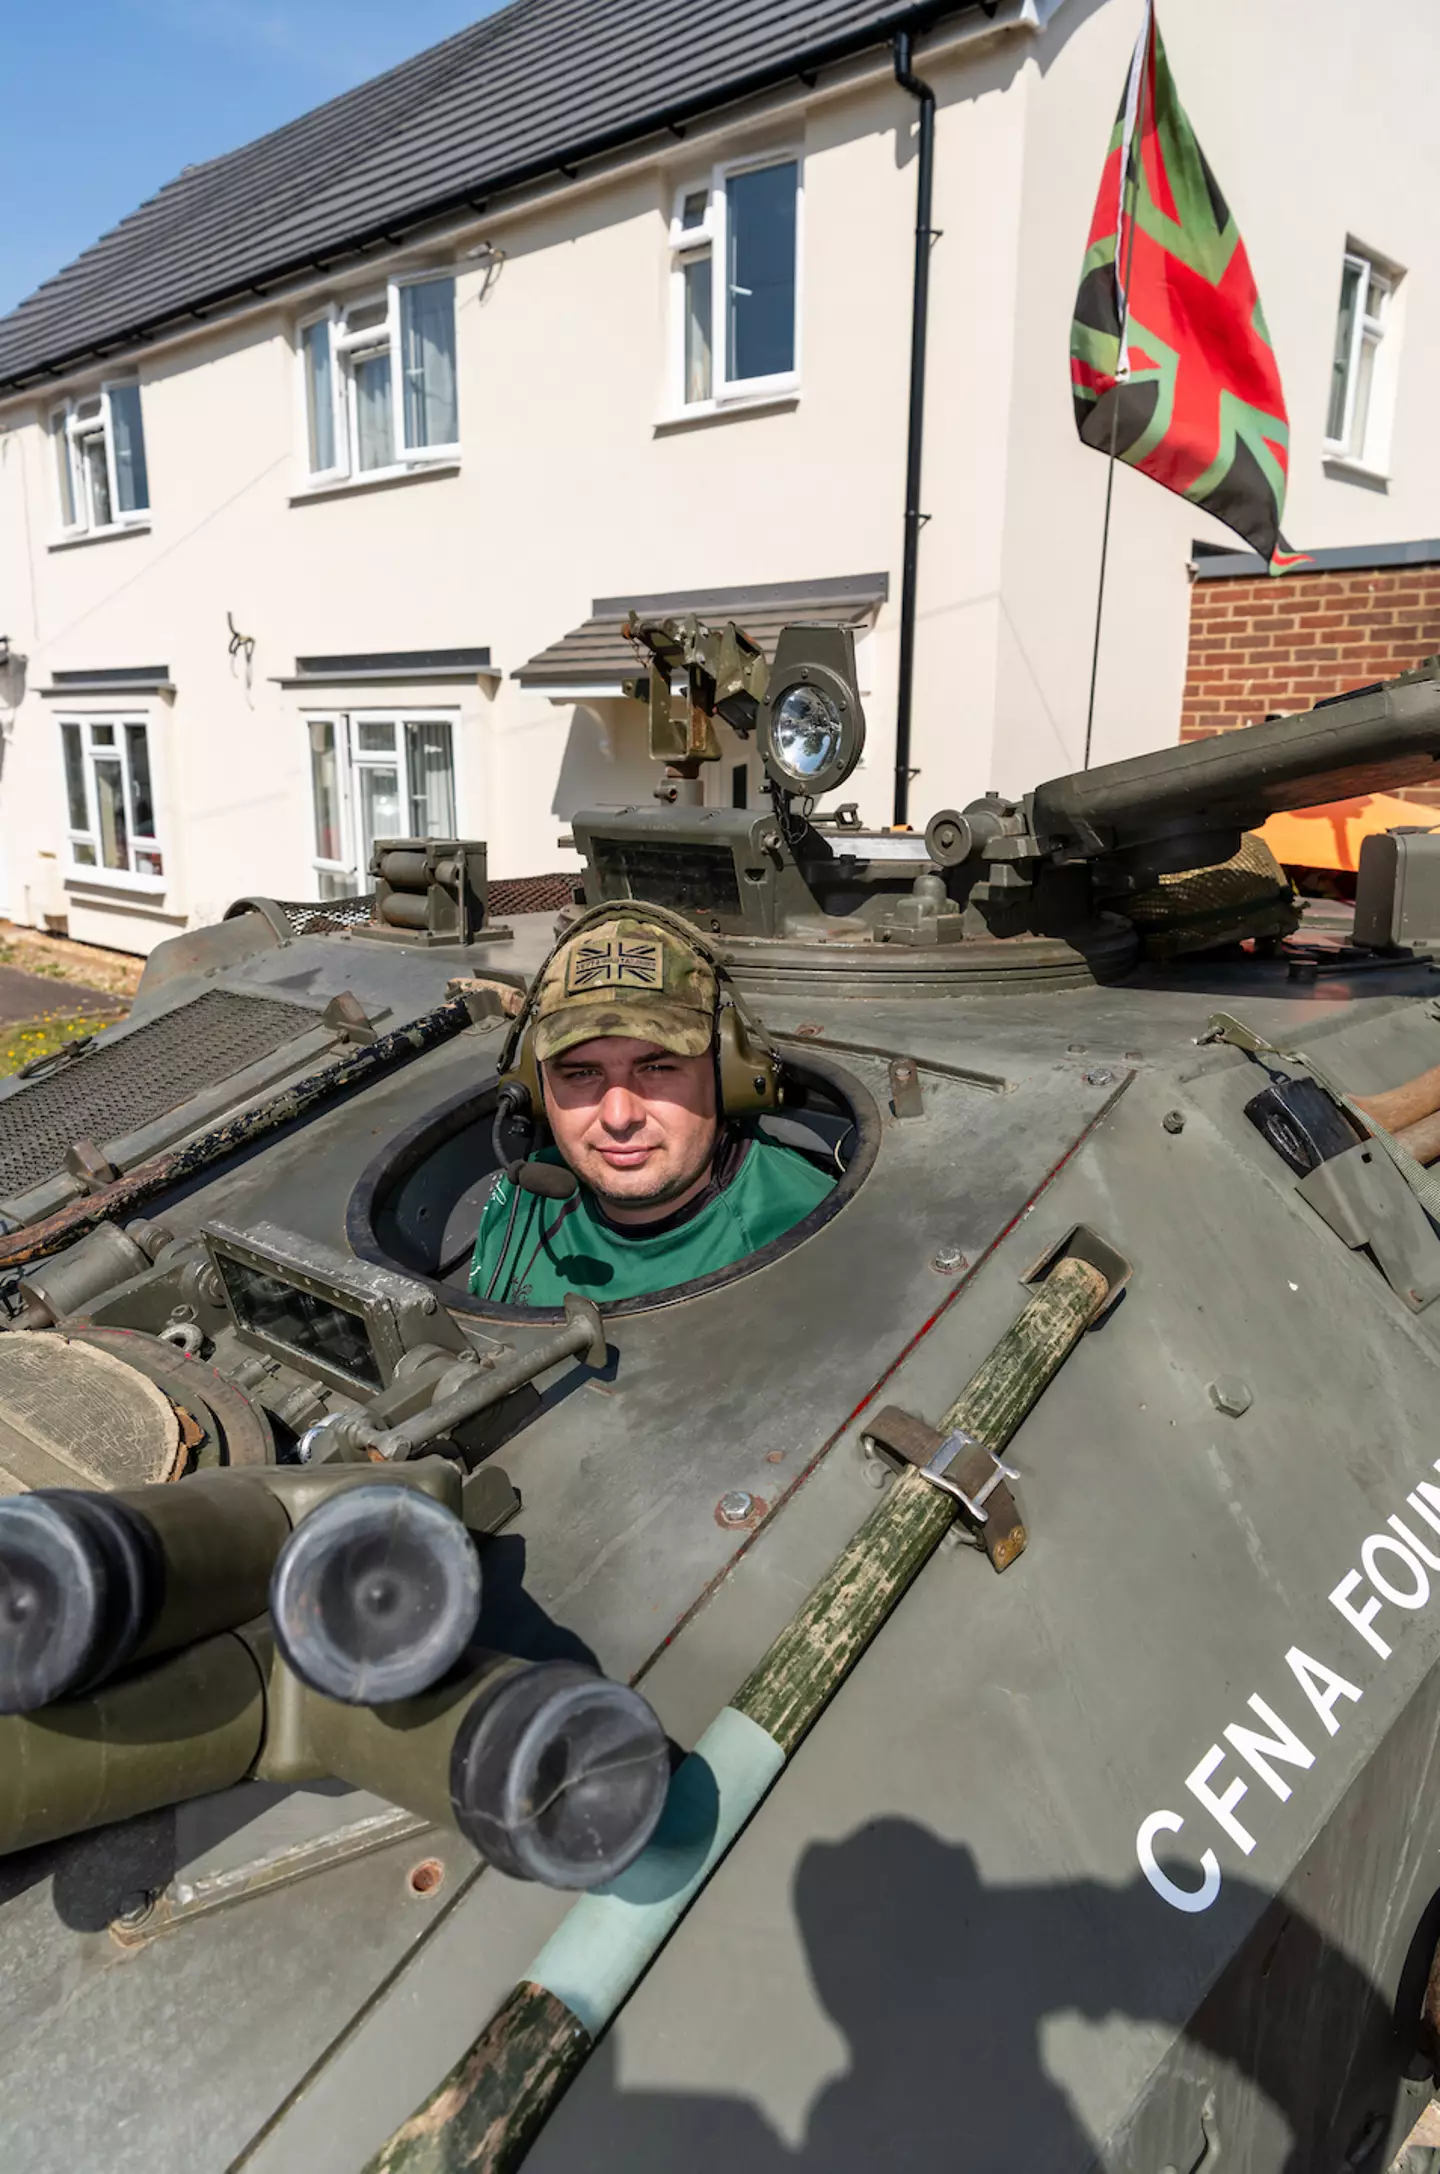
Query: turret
1054, 866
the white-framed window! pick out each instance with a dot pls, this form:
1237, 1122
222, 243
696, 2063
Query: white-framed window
735, 284
376, 774
99, 448
377, 382
110, 799
1357, 421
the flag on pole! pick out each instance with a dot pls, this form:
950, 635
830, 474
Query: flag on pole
1170, 362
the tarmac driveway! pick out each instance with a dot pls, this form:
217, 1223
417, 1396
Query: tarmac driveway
31, 996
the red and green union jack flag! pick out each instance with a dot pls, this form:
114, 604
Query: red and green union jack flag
1170, 361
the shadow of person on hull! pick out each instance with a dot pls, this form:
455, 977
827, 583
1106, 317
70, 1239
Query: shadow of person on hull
957, 2000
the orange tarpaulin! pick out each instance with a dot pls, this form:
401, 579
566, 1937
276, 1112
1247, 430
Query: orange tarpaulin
1330, 837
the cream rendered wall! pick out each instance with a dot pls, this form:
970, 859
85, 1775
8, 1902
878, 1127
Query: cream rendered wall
975, 263
17, 624
1313, 119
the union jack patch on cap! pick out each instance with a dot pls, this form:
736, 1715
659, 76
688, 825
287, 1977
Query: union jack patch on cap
613, 962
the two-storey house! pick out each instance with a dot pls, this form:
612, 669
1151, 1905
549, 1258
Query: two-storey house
327, 477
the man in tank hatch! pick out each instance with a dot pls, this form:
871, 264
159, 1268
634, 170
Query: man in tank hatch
634, 1054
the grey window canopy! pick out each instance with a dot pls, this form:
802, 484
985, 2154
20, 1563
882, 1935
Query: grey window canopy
595, 658
385, 667
123, 679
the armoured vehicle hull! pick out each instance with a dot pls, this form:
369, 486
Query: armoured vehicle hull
1128, 1858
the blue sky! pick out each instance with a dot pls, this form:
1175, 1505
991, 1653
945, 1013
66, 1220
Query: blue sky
106, 100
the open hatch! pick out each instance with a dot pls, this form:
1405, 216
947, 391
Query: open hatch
418, 1205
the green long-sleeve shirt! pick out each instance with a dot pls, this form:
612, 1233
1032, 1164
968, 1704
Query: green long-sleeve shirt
560, 1246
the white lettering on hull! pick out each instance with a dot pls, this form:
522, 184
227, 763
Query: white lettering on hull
1180, 1898
1395, 1574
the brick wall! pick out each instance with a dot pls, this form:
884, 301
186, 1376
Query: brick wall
1280, 642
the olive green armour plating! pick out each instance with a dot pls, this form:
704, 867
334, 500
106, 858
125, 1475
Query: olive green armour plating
567, 1246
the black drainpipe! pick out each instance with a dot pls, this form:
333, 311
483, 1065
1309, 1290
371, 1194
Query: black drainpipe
919, 322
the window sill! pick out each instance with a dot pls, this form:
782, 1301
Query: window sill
1346, 470
114, 879
100, 535
725, 411
383, 479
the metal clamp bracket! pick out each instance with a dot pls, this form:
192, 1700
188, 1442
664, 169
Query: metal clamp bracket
1080, 1243
1366, 1202
937, 1471
964, 1468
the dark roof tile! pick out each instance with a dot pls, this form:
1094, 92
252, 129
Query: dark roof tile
534, 87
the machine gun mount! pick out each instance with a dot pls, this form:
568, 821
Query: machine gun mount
1034, 884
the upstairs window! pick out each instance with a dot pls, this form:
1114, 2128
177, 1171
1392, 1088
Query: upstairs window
1357, 424
735, 254
99, 445
110, 798
376, 775
378, 379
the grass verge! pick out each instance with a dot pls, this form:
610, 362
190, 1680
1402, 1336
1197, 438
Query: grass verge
26, 1038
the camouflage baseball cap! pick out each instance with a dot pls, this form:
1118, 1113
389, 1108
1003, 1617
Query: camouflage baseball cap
626, 976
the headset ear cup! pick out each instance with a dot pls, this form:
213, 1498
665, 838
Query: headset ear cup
749, 1073
524, 1072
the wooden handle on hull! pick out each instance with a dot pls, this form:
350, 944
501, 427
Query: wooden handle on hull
1405, 1105
486, 2113
1423, 1139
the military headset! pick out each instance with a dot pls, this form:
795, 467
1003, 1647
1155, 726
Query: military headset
747, 1070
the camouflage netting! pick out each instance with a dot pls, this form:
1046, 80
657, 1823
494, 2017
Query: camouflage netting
1203, 909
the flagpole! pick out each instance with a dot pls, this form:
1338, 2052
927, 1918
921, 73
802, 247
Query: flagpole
1100, 594
1129, 184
